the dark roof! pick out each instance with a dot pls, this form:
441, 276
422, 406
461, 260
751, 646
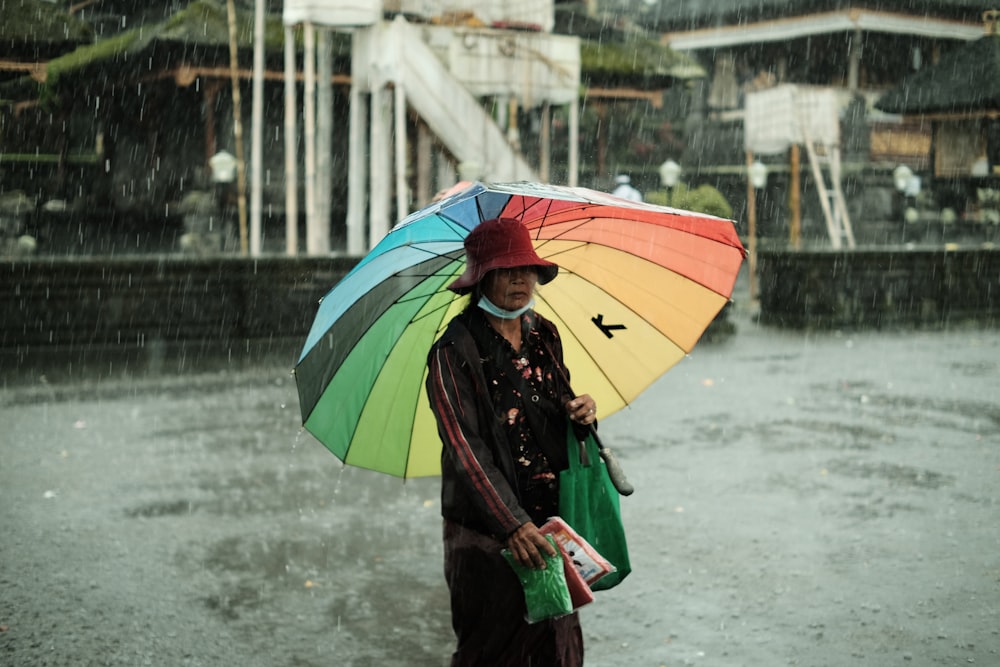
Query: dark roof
39, 21
198, 34
667, 15
965, 79
31, 27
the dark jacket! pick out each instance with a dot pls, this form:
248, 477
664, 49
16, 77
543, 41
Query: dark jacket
478, 488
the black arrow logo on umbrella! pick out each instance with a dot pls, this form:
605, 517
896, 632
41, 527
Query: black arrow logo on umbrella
606, 329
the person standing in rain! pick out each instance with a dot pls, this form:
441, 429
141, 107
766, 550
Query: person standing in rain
496, 389
625, 189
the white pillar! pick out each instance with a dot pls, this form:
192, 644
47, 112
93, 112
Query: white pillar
402, 189
324, 138
381, 163
357, 171
309, 121
291, 149
446, 173
545, 144
854, 62
424, 161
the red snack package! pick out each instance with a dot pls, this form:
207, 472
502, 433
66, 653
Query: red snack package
584, 558
579, 592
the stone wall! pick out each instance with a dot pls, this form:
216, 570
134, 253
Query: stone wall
63, 315
100, 317
875, 288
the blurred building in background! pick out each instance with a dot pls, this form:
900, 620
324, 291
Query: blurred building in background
111, 110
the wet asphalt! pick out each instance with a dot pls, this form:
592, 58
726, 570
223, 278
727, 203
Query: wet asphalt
803, 498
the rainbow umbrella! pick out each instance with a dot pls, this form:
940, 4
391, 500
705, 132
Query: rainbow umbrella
637, 286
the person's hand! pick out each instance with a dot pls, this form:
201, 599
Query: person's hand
582, 409
527, 544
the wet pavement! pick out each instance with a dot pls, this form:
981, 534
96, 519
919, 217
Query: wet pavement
802, 499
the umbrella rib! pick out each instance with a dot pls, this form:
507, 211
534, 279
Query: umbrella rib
444, 306
371, 389
638, 314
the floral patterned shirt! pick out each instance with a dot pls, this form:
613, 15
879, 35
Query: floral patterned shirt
537, 481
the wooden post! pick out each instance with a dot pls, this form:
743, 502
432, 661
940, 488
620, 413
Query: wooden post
513, 132
210, 92
545, 143
601, 159
751, 231
241, 167
854, 62
794, 199
574, 142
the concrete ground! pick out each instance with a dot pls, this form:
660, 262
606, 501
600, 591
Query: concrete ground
817, 499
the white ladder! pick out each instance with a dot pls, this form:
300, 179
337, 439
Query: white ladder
838, 222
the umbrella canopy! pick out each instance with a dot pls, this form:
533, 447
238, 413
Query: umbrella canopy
965, 79
637, 286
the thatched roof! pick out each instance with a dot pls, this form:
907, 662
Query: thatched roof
612, 55
637, 62
35, 21
964, 80
198, 34
617, 53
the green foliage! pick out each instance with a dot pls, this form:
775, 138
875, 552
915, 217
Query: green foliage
201, 22
703, 199
207, 22
99, 51
636, 57
31, 21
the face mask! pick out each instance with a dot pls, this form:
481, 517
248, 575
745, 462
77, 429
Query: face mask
497, 311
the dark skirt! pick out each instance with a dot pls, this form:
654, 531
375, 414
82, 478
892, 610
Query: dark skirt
488, 610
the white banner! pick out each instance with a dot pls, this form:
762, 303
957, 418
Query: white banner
784, 115
334, 13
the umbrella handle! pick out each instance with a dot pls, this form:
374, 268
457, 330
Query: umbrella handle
615, 471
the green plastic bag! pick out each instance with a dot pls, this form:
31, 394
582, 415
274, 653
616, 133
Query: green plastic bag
588, 502
546, 594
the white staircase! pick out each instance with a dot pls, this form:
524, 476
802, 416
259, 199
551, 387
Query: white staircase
441, 74
398, 56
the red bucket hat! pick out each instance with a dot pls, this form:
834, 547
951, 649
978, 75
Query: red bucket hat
501, 243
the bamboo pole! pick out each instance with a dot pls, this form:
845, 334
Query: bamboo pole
751, 231
257, 132
545, 144
241, 167
795, 198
